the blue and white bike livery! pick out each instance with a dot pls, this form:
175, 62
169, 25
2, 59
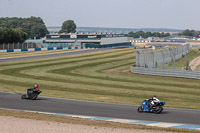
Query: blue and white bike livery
156, 108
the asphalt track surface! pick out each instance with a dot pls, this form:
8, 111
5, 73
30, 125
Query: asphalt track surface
51, 55
78, 107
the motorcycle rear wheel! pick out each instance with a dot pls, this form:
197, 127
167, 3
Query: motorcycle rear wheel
34, 97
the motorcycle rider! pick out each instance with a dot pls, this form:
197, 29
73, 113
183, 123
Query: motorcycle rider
152, 101
36, 88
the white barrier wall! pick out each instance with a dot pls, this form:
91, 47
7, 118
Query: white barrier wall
113, 40
156, 58
166, 72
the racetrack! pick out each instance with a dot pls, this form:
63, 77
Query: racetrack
103, 76
78, 107
68, 53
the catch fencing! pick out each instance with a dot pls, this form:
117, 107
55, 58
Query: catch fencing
147, 61
156, 58
166, 72
19, 46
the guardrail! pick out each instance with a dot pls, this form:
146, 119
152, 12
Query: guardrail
166, 72
57, 48
38, 49
170, 41
196, 46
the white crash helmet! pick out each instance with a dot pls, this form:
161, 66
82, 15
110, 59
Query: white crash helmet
36, 85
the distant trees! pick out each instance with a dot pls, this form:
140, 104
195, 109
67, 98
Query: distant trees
191, 33
143, 34
8, 35
68, 27
33, 26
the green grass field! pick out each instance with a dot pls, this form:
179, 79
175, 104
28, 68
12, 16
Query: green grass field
102, 76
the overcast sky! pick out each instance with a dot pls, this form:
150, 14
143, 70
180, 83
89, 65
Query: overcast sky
178, 14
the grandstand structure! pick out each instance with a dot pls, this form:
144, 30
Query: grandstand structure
83, 40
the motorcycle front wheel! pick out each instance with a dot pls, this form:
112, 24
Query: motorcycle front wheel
159, 110
140, 109
23, 96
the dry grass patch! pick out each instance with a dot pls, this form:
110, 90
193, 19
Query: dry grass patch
71, 120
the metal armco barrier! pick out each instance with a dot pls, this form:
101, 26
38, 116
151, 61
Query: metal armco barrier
37, 49
166, 72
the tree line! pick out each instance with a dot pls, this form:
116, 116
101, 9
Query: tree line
143, 34
16, 35
33, 26
14, 30
190, 33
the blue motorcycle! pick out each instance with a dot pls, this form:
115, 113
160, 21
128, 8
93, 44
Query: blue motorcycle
156, 108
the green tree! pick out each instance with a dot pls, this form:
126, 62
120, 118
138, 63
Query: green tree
68, 27
191, 33
29, 25
37, 31
8, 35
20, 35
147, 34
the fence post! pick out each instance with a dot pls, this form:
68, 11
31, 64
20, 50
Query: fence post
153, 58
187, 67
163, 58
137, 59
174, 54
144, 58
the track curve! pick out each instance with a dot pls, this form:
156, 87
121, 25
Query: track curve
79, 107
